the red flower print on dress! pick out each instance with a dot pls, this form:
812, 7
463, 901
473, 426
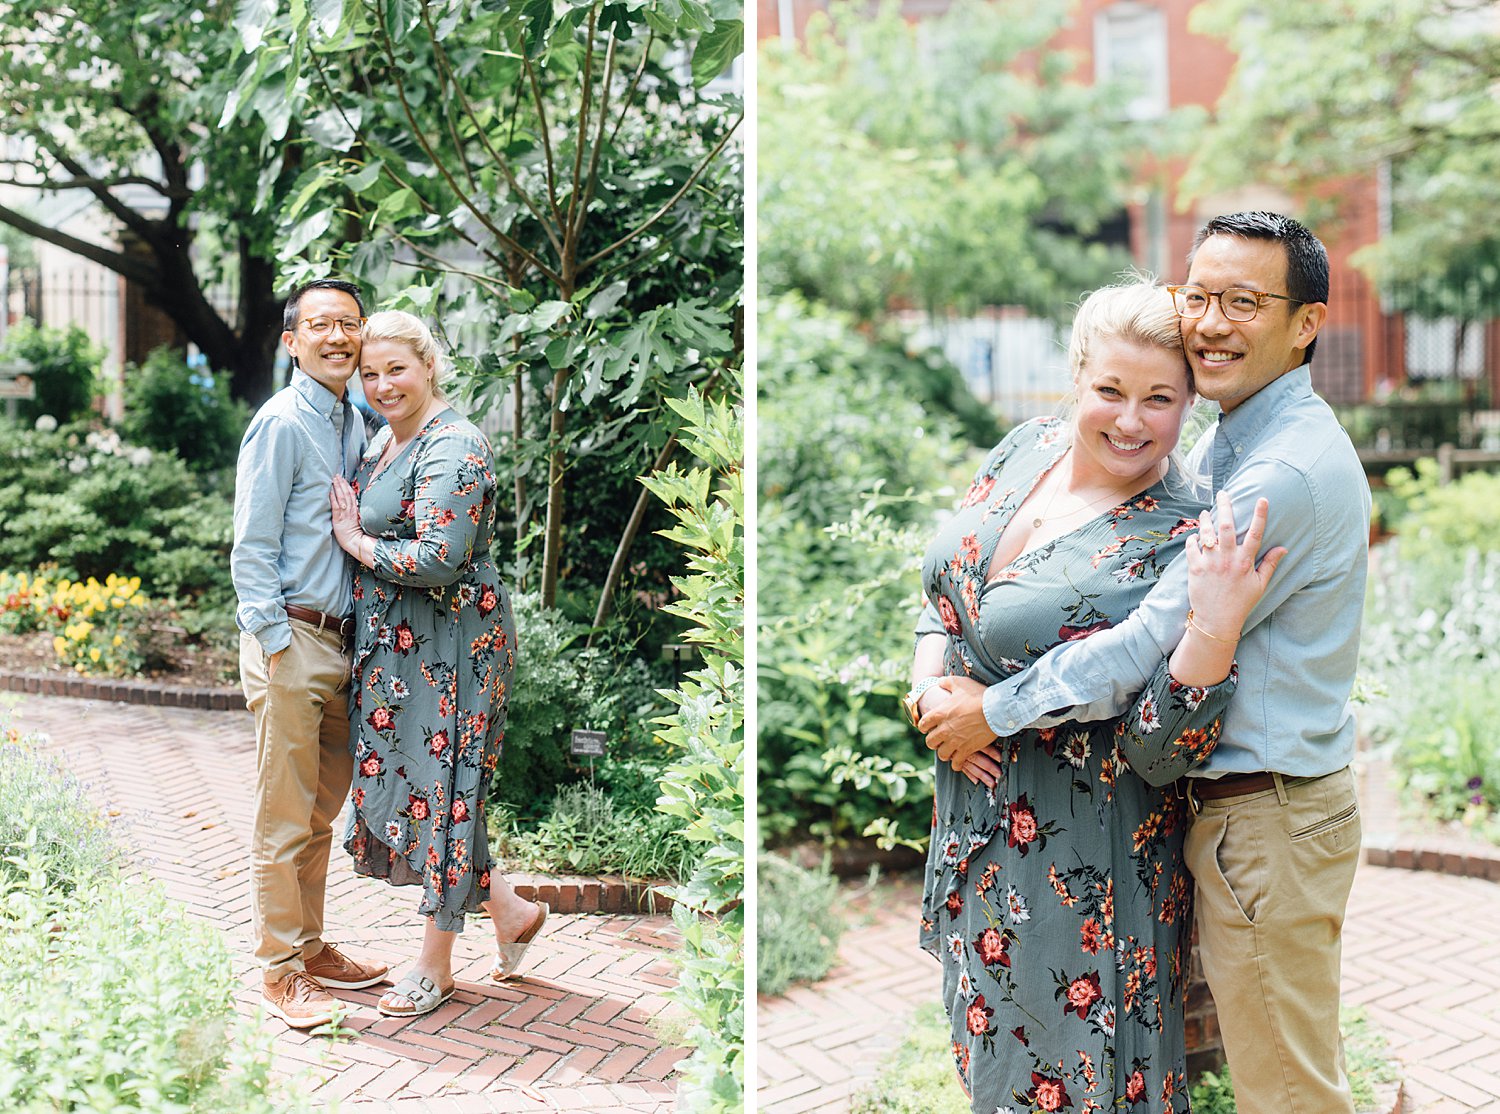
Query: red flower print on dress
979, 491
992, 948
961, 1056
488, 601
1146, 503
372, 766
438, 743
1093, 936
1023, 829
968, 549
1135, 1088
1019, 1032
1073, 634
971, 600
405, 640
418, 806
359, 798
1048, 1093
1082, 993
484, 880
382, 719
950, 615
978, 1017
460, 810
955, 903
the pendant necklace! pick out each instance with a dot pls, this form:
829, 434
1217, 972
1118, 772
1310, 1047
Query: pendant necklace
1045, 516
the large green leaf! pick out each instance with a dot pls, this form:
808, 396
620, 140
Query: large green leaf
250, 20
717, 50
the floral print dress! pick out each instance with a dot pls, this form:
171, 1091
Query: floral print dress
435, 646
1058, 901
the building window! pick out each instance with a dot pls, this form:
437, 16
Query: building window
1130, 48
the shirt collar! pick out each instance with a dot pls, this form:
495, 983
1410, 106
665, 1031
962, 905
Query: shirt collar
319, 397
1250, 418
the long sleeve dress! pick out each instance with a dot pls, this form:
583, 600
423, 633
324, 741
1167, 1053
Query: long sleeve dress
1058, 901
435, 646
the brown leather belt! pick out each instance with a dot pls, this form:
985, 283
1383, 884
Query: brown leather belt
323, 622
1239, 785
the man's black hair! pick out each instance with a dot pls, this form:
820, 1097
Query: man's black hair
289, 314
1306, 257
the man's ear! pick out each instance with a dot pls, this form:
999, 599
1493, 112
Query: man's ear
1310, 323
288, 340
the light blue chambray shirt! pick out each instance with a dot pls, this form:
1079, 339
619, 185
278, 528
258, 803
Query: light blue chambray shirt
284, 550
1297, 658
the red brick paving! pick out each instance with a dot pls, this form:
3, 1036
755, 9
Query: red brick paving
1421, 954
573, 1034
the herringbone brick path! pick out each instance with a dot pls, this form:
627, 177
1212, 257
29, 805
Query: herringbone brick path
1421, 954
575, 1033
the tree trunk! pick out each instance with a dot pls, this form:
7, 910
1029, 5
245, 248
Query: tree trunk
627, 539
552, 543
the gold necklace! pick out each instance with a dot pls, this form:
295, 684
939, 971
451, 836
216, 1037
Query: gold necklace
1045, 516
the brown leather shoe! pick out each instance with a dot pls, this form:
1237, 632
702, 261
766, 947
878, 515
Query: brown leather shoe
299, 1001
333, 969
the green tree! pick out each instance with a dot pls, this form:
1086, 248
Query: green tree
951, 163
121, 105
559, 178
1324, 92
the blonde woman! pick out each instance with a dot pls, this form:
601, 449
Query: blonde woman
435, 646
1056, 894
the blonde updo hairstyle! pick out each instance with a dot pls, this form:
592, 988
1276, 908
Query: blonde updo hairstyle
1138, 312
398, 325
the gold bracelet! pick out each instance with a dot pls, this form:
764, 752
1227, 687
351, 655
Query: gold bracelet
1194, 626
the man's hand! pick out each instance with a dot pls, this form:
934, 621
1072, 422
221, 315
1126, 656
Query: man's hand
956, 728
272, 661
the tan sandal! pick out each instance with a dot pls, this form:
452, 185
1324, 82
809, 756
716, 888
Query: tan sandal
508, 956
423, 994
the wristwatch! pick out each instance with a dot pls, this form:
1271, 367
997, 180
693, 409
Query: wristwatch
913, 699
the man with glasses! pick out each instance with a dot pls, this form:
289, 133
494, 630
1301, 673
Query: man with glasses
1274, 831
294, 585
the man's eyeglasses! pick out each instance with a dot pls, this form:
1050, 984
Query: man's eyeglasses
1235, 303
322, 326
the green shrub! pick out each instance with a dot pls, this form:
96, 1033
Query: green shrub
589, 832
86, 503
919, 1078
840, 543
559, 686
703, 787
127, 1006
1428, 646
798, 923
171, 407
64, 364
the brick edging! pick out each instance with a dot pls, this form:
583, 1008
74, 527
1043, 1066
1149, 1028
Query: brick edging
153, 693
1467, 861
609, 893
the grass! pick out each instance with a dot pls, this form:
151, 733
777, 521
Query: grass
919, 1078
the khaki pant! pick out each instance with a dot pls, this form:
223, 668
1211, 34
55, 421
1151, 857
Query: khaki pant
303, 770
1273, 873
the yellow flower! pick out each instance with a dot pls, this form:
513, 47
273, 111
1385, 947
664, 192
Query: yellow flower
117, 641
59, 645
94, 654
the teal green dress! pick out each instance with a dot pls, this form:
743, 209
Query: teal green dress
435, 647
1058, 901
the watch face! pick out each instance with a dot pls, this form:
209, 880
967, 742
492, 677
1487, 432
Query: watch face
909, 702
